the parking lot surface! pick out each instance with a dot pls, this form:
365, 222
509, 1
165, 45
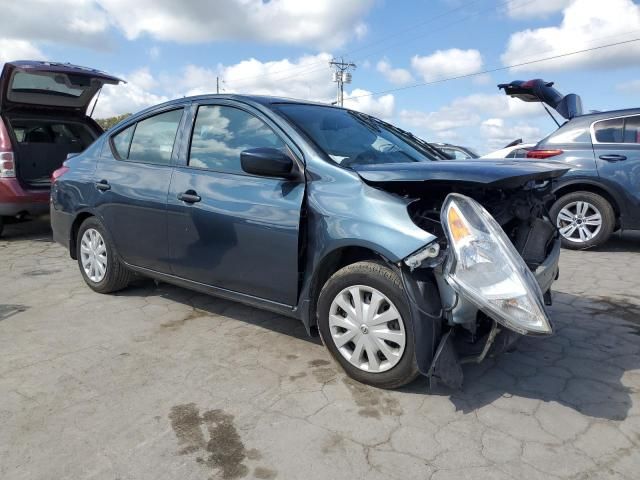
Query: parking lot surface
158, 382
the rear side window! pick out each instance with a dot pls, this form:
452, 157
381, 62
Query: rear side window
154, 137
122, 141
609, 131
150, 140
632, 130
221, 133
518, 153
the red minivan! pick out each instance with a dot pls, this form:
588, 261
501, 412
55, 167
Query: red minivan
43, 119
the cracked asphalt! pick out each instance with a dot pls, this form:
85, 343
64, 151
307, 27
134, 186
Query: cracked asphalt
158, 382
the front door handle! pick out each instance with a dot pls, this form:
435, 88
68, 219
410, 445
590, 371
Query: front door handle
190, 196
613, 158
103, 185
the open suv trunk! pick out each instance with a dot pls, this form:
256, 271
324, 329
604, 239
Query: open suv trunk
42, 143
43, 107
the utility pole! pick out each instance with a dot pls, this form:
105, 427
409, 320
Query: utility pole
217, 84
341, 76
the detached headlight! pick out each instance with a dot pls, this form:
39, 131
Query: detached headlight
485, 267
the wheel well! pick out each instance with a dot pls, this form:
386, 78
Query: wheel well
585, 187
333, 262
73, 234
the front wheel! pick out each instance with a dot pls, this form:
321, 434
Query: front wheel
98, 260
365, 322
584, 219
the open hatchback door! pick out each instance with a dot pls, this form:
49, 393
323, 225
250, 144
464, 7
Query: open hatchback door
537, 90
43, 119
62, 86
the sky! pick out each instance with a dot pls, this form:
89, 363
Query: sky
167, 49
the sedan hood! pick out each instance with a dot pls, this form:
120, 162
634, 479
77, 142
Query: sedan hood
502, 174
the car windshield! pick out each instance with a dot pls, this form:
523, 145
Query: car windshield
351, 138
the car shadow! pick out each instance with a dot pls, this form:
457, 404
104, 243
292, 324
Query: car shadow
583, 366
211, 305
36, 230
628, 241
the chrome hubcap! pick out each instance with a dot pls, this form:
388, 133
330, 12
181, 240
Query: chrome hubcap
93, 253
579, 222
367, 328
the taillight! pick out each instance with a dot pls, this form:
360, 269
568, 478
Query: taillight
59, 172
7, 161
542, 154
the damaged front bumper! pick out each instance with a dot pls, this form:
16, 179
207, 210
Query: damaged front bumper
507, 296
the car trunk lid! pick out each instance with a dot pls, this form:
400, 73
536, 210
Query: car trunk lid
537, 90
499, 174
50, 85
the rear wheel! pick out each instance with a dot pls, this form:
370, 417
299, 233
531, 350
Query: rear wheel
98, 260
365, 322
584, 219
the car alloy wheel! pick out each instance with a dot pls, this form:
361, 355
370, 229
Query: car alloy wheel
367, 328
579, 221
93, 251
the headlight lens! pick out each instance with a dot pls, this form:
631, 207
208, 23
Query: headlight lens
486, 268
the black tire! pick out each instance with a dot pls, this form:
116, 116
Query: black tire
117, 276
1, 225
385, 280
601, 204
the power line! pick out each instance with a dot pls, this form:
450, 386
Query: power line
492, 70
300, 69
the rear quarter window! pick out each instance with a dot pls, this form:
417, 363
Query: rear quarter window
150, 140
121, 142
609, 131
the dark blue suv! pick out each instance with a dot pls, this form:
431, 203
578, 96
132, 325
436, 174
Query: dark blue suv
403, 261
601, 192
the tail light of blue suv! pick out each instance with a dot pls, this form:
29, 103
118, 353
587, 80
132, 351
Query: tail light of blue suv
543, 154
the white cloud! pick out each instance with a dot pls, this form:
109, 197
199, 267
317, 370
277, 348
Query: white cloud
361, 100
131, 97
327, 23
585, 24
18, 50
478, 120
632, 86
74, 22
498, 134
469, 111
397, 76
308, 77
525, 9
154, 53
447, 63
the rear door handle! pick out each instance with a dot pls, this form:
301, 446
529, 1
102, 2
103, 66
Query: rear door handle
613, 158
103, 186
190, 196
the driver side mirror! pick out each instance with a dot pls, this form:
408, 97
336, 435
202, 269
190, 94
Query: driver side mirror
267, 162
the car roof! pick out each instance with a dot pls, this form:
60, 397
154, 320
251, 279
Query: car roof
594, 116
263, 100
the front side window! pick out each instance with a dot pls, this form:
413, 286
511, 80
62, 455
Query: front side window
152, 140
609, 131
221, 133
351, 138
